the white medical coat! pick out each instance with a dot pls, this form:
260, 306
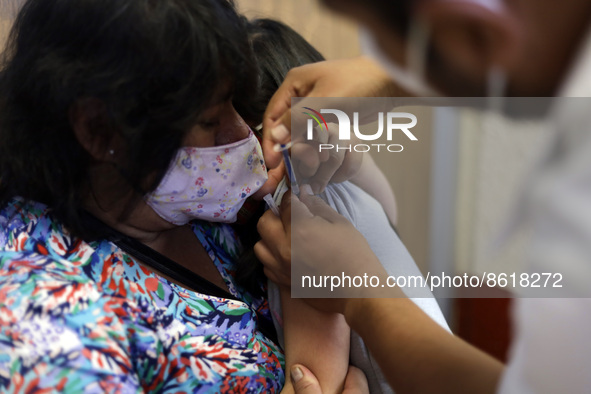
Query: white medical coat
551, 351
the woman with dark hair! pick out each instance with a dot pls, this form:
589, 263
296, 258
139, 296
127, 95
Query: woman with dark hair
365, 200
121, 159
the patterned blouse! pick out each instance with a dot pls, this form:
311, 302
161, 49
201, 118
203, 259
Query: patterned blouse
86, 317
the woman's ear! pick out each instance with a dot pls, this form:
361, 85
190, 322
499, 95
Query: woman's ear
92, 130
472, 36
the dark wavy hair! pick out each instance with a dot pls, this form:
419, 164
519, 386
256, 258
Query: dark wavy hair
154, 65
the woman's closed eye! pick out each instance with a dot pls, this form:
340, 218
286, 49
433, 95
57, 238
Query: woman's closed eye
209, 123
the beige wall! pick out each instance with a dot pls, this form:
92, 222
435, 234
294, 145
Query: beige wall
8, 10
4, 30
334, 36
4, 27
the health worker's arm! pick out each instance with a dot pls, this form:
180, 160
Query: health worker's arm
418, 356
414, 352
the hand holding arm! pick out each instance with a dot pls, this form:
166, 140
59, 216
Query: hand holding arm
304, 382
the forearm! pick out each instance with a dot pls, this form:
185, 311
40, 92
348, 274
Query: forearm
416, 354
318, 340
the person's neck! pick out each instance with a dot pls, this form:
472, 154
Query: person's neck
141, 223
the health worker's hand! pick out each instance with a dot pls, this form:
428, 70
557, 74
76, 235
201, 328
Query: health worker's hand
315, 239
304, 382
316, 164
358, 77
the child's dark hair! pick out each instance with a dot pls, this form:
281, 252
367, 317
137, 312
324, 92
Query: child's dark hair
277, 49
153, 64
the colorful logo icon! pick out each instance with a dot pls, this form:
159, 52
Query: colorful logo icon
315, 116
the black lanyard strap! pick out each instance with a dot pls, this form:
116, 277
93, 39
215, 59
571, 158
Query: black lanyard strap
172, 269
159, 262
169, 267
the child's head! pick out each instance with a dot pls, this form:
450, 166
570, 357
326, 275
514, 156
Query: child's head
277, 49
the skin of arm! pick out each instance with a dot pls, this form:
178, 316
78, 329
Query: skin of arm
316, 339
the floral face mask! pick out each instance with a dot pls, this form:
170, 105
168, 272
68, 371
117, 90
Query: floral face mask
209, 183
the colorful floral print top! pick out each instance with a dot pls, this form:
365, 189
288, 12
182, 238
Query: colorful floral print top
83, 317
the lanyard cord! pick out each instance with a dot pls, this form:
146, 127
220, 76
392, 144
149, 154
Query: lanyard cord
174, 270
159, 262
